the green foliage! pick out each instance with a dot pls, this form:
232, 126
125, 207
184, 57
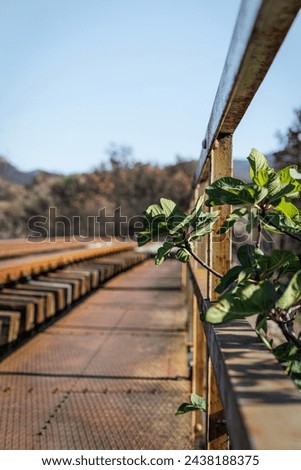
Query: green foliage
256, 266
196, 403
180, 229
292, 294
267, 200
265, 285
243, 301
289, 356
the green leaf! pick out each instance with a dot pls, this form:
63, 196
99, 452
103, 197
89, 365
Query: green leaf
288, 209
279, 192
292, 294
244, 301
153, 211
224, 191
192, 217
176, 222
194, 214
279, 259
271, 182
163, 252
257, 162
247, 195
245, 255
143, 238
203, 224
228, 279
244, 275
199, 204
233, 191
291, 175
182, 255
260, 193
252, 219
285, 352
286, 175
276, 221
295, 174
293, 265
153, 219
168, 206
197, 403
262, 177
296, 367
235, 215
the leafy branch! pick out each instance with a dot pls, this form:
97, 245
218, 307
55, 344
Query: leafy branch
266, 285
179, 229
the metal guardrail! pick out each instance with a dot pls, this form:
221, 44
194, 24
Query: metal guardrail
248, 393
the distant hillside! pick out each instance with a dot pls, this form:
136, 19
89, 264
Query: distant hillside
241, 169
83, 198
12, 174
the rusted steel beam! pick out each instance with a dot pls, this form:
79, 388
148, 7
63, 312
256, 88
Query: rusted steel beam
58, 292
10, 326
38, 303
12, 270
48, 296
26, 310
258, 35
17, 247
56, 277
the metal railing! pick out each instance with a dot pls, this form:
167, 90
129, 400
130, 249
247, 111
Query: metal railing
251, 402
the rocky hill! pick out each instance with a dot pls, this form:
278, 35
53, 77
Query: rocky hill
119, 189
12, 174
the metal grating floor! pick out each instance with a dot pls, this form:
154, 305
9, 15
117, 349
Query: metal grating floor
109, 375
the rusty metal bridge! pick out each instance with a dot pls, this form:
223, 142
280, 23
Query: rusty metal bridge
99, 347
96, 355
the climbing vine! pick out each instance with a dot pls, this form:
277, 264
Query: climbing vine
267, 285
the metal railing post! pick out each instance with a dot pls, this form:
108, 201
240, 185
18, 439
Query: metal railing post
220, 259
199, 371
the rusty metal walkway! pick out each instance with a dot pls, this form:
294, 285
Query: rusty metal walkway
109, 375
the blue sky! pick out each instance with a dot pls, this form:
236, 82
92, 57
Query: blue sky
78, 75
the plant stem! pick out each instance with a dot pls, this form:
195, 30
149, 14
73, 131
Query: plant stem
200, 261
259, 231
285, 232
289, 333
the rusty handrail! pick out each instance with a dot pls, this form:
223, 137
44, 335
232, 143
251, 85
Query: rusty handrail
224, 369
259, 32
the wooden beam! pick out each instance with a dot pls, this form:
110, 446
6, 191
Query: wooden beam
220, 246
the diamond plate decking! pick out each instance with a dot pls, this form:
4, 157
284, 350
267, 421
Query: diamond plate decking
109, 375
